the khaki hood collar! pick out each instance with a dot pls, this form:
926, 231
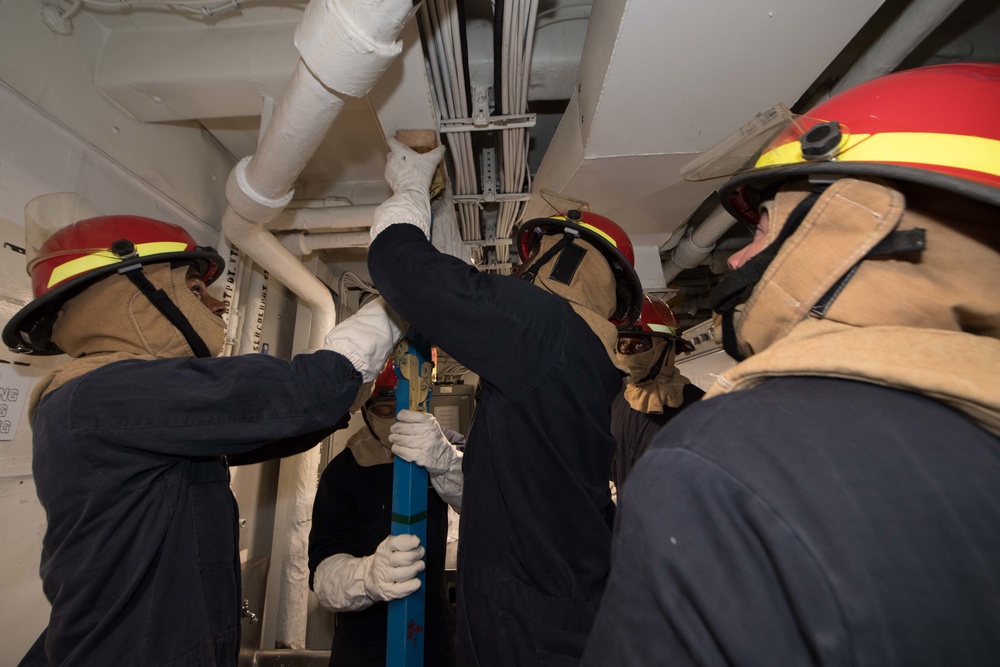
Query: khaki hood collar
948, 366
926, 323
112, 321
666, 389
367, 450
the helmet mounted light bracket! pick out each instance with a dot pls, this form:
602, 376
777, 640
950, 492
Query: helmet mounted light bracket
821, 141
565, 266
125, 249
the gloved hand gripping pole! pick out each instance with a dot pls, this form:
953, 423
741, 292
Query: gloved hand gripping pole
405, 640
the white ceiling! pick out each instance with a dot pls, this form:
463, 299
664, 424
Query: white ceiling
645, 108
647, 84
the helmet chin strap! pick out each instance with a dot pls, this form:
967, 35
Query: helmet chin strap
735, 287
159, 299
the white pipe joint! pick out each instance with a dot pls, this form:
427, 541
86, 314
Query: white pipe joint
302, 244
697, 244
348, 44
327, 219
688, 254
247, 202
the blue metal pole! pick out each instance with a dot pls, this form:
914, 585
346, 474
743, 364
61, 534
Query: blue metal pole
405, 631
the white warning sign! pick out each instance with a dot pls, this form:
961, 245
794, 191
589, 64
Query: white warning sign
14, 390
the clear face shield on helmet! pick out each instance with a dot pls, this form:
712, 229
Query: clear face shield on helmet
71, 245
776, 137
48, 214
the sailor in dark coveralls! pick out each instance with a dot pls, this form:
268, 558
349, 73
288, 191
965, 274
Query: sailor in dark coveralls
536, 511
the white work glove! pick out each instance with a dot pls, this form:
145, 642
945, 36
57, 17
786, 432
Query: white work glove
367, 337
417, 437
409, 174
391, 572
345, 583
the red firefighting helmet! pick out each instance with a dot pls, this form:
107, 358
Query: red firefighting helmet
656, 319
385, 383
82, 253
938, 126
605, 235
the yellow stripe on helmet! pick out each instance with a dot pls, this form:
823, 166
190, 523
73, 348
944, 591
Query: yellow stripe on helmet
602, 234
662, 328
96, 260
597, 231
955, 151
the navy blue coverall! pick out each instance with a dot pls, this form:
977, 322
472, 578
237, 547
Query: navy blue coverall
353, 515
634, 430
808, 521
537, 515
140, 559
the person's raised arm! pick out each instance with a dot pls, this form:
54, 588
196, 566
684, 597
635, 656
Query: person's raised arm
502, 328
409, 174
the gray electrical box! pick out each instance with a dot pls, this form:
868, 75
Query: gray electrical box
452, 404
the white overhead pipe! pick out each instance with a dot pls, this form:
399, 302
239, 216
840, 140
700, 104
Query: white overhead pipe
910, 28
301, 244
330, 218
696, 245
346, 45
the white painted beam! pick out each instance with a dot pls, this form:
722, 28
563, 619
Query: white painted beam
661, 81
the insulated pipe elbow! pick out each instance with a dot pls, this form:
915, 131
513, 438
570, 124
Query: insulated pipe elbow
301, 119
243, 224
345, 45
247, 202
686, 255
266, 250
697, 245
348, 44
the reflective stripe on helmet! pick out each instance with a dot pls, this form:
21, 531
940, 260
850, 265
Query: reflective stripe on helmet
597, 231
953, 151
604, 235
662, 328
75, 267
